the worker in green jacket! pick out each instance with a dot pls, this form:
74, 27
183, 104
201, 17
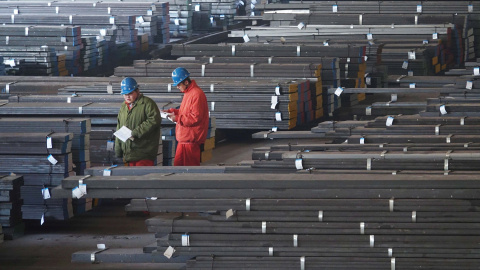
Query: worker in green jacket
139, 117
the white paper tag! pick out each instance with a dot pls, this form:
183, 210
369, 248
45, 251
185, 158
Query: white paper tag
45, 193
299, 164
169, 252
274, 101
110, 89
368, 110
70, 19
470, 8
274, 129
94, 4
325, 43
412, 85
76, 193
394, 98
443, 110
469, 85
13, 18
278, 116
52, 159
63, 39
229, 214
277, 91
107, 172
405, 65
112, 20
103, 32
389, 121
83, 188
411, 55
26, 31
110, 145
368, 81
362, 140
49, 4
419, 8
339, 91
435, 36
365, 58
335, 8
101, 246
15, 11
69, 100
109, 10
410, 73
425, 41
49, 142
197, 7
185, 240
301, 26
246, 38
476, 71
369, 36
57, 9
177, 22
42, 220
7, 38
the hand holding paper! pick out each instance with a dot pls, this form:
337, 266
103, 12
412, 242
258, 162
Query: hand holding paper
123, 134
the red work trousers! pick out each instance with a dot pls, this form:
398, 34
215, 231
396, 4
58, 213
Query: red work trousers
143, 162
188, 154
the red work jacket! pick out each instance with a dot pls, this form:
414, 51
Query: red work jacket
192, 117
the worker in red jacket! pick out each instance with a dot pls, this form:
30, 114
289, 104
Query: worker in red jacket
192, 119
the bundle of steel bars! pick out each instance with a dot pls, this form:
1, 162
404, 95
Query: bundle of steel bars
10, 206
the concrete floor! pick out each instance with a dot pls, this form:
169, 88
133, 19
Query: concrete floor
51, 246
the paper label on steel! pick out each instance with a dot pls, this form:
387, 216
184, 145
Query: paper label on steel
169, 252
110, 145
469, 85
299, 164
405, 65
435, 36
49, 142
229, 214
76, 193
45, 193
338, 91
301, 25
419, 8
278, 116
362, 140
83, 188
476, 71
112, 20
389, 121
197, 7
443, 110
470, 8
52, 160
107, 172
335, 8
369, 36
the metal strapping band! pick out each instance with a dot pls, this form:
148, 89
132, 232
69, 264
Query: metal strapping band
369, 164
448, 138
247, 204
445, 165
295, 240
405, 149
447, 155
270, 251
392, 262
462, 121
465, 145
265, 136
252, 70
401, 77
388, 103
302, 263
212, 87
372, 240
264, 227
391, 203
320, 216
390, 252
233, 50
437, 129
362, 227
80, 181
203, 70
414, 216
270, 60
298, 50
267, 155
360, 19
446, 172
92, 255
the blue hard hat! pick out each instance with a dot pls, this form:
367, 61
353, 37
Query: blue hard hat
128, 85
179, 75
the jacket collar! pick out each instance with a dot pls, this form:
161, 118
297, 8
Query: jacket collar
192, 84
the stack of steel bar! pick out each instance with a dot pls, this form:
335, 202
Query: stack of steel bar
396, 216
181, 14
2, 67
201, 16
11, 206
36, 44
38, 153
